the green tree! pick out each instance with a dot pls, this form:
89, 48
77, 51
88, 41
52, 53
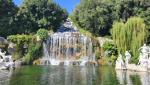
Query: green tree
35, 14
125, 9
97, 16
7, 11
129, 36
94, 16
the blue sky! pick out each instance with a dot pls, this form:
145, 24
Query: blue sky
67, 4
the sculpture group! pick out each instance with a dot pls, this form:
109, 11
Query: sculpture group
143, 63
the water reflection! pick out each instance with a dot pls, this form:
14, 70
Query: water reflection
4, 77
133, 78
72, 75
69, 76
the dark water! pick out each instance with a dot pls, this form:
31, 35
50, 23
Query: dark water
60, 75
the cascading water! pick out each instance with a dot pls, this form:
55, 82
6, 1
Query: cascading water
68, 48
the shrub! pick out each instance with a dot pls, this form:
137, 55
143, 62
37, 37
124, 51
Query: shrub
21, 42
110, 48
34, 51
42, 34
28, 49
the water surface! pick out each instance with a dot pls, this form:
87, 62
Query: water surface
72, 75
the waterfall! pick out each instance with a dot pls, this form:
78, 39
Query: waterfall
67, 48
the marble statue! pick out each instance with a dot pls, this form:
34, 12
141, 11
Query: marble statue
143, 58
128, 57
144, 49
143, 63
120, 63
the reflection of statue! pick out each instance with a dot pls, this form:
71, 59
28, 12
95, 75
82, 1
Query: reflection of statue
120, 63
126, 77
121, 76
128, 57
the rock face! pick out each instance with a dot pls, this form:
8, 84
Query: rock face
67, 27
3, 42
6, 61
11, 48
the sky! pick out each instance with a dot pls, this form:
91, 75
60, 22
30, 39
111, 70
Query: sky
69, 5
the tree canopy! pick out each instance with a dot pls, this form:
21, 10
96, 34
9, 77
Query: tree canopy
35, 14
7, 11
30, 16
129, 36
97, 16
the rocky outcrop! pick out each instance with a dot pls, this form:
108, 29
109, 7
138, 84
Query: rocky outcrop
3, 42
11, 48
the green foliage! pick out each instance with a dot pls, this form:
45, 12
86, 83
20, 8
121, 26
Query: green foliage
28, 49
34, 52
117, 34
113, 59
124, 9
21, 41
35, 14
129, 36
109, 46
97, 16
94, 16
98, 53
109, 60
82, 31
26, 59
7, 11
42, 33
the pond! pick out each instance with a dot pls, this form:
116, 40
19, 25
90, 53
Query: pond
72, 75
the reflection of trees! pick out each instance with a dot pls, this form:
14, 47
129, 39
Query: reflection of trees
135, 79
106, 76
26, 75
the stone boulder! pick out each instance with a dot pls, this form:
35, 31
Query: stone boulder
3, 42
11, 48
